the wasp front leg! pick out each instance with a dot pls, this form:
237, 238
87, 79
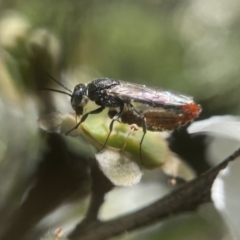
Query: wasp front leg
84, 117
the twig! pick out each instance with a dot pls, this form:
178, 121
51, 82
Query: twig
186, 198
100, 186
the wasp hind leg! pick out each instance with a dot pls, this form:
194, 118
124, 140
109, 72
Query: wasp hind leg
144, 127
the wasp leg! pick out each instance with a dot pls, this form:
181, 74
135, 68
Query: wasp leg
144, 126
116, 117
84, 117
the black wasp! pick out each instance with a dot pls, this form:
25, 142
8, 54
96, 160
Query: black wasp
111, 93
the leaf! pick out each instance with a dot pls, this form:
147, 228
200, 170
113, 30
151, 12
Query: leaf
176, 167
155, 151
122, 148
119, 167
59, 123
226, 125
226, 195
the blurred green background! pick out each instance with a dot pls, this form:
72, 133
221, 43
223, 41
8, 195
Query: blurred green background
188, 46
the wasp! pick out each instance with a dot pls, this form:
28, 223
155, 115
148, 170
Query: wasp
162, 109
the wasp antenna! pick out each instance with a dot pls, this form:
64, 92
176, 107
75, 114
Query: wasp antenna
59, 83
55, 90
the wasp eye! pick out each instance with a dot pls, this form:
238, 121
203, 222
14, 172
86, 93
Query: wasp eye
79, 109
84, 101
78, 99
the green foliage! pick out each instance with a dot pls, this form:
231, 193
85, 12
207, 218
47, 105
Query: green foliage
189, 46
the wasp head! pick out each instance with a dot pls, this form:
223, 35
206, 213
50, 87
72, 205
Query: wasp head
79, 98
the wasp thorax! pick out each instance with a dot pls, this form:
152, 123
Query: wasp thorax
79, 98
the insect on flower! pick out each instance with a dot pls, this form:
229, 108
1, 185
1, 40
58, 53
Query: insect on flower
160, 119
160, 110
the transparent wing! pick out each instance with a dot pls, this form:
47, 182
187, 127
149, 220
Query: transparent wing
148, 95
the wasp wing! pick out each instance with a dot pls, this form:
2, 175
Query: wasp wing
155, 97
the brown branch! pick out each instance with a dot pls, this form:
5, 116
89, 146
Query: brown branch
186, 198
100, 186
